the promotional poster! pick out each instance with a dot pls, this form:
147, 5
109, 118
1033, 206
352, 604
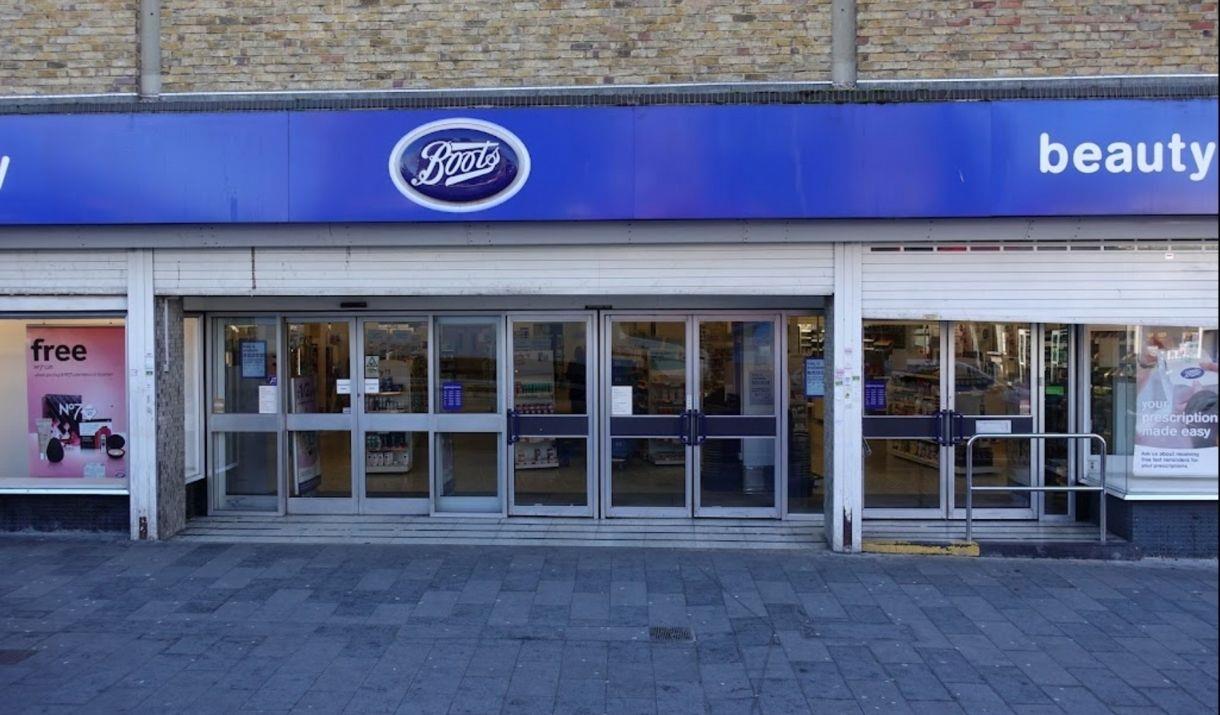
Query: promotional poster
1175, 410
76, 401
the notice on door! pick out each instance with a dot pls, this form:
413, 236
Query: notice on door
815, 377
620, 401
993, 426
268, 399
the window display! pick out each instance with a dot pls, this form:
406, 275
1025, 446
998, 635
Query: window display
70, 377
1153, 397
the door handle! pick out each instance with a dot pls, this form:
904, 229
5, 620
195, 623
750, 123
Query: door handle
684, 427
513, 427
701, 426
959, 427
940, 428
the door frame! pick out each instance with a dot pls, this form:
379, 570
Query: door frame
592, 411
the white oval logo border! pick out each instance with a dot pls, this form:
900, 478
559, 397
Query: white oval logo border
504, 135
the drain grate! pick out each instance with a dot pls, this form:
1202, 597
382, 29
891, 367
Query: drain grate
13, 657
670, 634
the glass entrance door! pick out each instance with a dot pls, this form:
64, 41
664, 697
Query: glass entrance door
929, 386
648, 403
692, 426
319, 418
736, 418
394, 422
548, 420
905, 405
993, 384
469, 419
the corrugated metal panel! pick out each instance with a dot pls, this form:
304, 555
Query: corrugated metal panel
73, 272
751, 269
1112, 282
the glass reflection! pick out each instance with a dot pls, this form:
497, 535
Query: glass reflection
901, 368
737, 367
245, 465
469, 462
549, 368
806, 413
249, 363
649, 359
737, 473
901, 474
992, 377
320, 464
648, 472
396, 357
396, 465
319, 368
550, 471
467, 371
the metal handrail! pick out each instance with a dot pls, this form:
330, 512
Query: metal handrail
971, 489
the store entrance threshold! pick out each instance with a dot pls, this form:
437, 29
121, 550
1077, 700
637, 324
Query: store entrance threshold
517, 531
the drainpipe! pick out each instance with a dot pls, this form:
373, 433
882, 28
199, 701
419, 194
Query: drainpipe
150, 48
843, 43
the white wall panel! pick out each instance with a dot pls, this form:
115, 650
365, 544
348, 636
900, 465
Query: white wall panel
1125, 284
75, 272
741, 269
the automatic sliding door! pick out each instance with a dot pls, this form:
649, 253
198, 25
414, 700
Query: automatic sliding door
319, 419
244, 418
395, 422
551, 451
469, 438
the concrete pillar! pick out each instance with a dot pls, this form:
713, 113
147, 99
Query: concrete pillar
141, 394
149, 30
171, 427
845, 407
843, 43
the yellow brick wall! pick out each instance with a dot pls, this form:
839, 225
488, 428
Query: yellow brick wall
68, 46
219, 45
1031, 38
62, 46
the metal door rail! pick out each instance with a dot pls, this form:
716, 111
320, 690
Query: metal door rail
971, 489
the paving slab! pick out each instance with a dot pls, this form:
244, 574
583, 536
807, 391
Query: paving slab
110, 626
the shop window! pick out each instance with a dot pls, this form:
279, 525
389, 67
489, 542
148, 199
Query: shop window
64, 380
1153, 396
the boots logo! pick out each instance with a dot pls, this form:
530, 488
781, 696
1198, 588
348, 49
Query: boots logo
459, 165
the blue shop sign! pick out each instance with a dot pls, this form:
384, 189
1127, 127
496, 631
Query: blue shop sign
923, 160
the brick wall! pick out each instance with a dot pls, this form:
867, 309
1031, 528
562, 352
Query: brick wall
61, 46
1028, 38
68, 46
217, 45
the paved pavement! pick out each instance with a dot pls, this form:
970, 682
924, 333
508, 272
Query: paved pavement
107, 626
